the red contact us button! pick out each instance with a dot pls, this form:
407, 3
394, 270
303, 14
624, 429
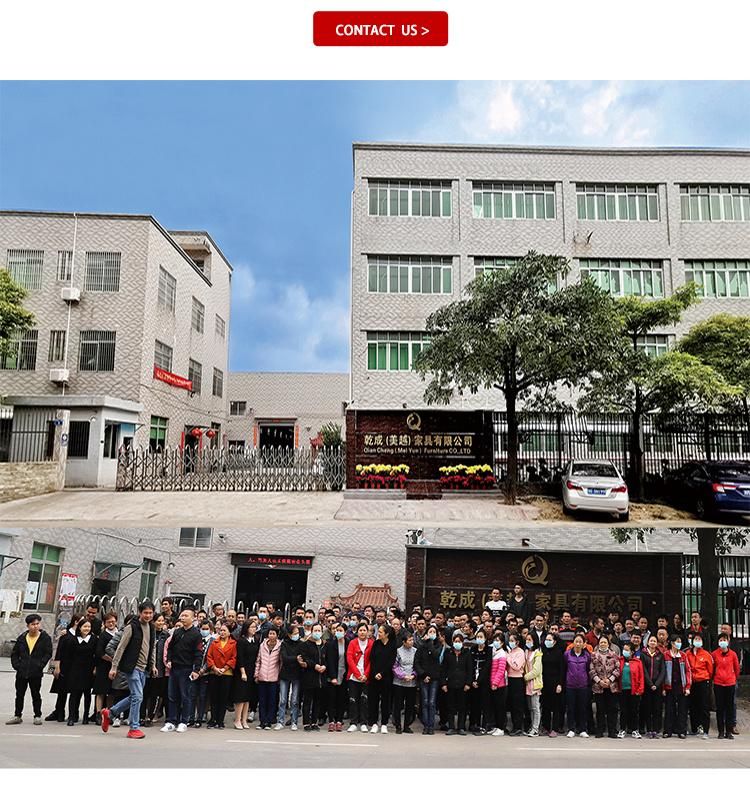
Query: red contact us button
380, 28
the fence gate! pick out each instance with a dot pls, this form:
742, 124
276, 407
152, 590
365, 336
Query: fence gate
219, 469
27, 434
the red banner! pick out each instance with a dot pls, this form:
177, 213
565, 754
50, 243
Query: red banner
172, 379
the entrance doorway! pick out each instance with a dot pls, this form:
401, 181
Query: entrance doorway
280, 586
191, 447
276, 436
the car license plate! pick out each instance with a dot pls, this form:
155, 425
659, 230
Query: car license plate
596, 491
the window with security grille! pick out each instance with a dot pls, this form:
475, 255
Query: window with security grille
167, 292
218, 388
617, 202
97, 350
237, 407
195, 375
394, 351
409, 198
221, 327
653, 344
511, 201
157, 437
19, 353
102, 272
198, 316
162, 356
25, 268
78, 439
64, 265
715, 202
719, 279
410, 274
625, 277
196, 537
56, 346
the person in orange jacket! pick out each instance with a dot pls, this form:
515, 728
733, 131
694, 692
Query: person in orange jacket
726, 675
702, 670
221, 659
632, 684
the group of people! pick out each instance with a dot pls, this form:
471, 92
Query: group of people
503, 671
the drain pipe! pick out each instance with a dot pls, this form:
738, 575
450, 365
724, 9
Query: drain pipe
70, 304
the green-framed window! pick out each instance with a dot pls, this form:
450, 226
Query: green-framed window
394, 351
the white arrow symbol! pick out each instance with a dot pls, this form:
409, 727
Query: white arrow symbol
425, 31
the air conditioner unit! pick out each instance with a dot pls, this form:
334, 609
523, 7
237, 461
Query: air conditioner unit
59, 375
70, 294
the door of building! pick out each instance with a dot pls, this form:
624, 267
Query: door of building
277, 436
280, 586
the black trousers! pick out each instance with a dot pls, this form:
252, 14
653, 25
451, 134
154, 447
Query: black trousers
337, 695
651, 709
358, 703
517, 702
606, 712
553, 706
630, 707
700, 705
154, 692
312, 706
380, 701
219, 688
34, 686
724, 707
480, 708
404, 700
456, 703
74, 702
498, 701
675, 711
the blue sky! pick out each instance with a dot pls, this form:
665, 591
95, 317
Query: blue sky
266, 168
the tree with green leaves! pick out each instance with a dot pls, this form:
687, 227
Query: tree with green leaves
636, 383
517, 333
712, 542
723, 342
14, 318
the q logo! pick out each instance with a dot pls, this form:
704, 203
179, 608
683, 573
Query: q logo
535, 570
413, 421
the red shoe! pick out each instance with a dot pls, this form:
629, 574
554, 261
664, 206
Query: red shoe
105, 720
339, 727
331, 727
136, 733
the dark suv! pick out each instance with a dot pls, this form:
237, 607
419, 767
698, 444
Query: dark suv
711, 487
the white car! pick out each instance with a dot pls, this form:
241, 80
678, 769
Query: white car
595, 485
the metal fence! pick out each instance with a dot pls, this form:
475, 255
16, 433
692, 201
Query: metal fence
219, 469
27, 435
547, 441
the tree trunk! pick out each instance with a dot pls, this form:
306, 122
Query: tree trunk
511, 480
708, 569
637, 475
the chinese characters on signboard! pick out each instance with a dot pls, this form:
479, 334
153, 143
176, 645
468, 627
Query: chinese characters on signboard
583, 603
445, 444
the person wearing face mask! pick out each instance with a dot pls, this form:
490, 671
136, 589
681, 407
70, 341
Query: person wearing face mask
652, 660
358, 674
267, 668
498, 683
702, 670
677, 683
351, 624
200, 691
533, 677
290, 679
480, 699
552, 690
381, 679
337, 690
404, 685
456, 677
312, 661
605, 673
726, 676
427, 667
632, 684
308, 622
516, 663
577, 687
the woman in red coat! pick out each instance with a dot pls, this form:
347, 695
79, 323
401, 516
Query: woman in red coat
358, 676
220, 659
631, 690
726, 673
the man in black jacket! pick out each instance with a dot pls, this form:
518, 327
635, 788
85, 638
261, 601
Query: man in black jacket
31, 654
457, 672
184, 659
520, 605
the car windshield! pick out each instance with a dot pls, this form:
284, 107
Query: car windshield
732, 472
593, 470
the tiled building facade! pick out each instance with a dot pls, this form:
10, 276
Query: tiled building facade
115, 298
426, 218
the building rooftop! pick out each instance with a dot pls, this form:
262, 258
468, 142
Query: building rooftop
286, 394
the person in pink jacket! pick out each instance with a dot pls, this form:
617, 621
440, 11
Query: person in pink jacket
516, 662
267, 668
499, 682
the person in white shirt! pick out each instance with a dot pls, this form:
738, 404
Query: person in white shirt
495, 604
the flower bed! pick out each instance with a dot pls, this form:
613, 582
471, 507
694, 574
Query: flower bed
478, 476
382, 476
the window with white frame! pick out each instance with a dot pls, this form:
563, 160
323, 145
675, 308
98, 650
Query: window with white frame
195, 375
167, 292
97, 350
484, 264
715, 202
64, 265
195, 537
410, 274
218, 385
719, 278
19, 353
653, 344
56, 346
25, 268
394, 351
513, 201
162, 356
198, 316
102, 272
149, 576
237, 407
625, 277
409, 198
617, 202
221, 327
42, 579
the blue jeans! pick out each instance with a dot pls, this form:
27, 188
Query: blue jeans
136, 682
180, 695
285, 688
267, 691
429, 703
